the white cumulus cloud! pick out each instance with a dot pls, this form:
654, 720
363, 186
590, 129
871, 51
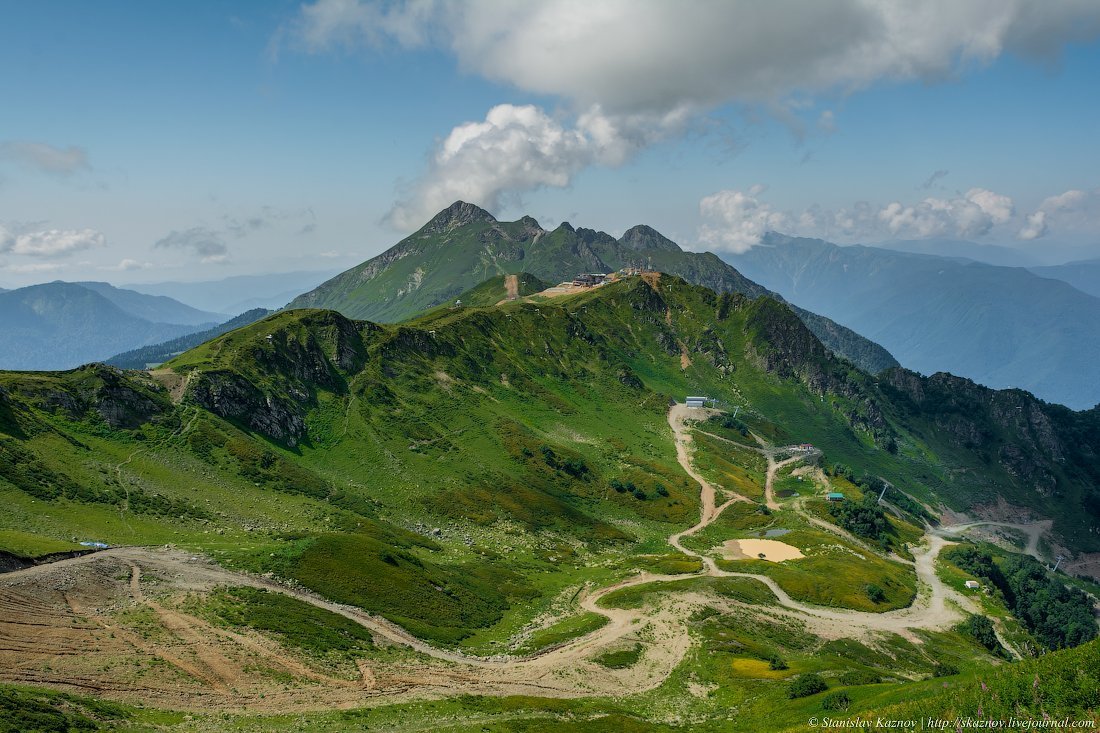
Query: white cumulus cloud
1070, 209
45, 243
632, 72
737, 220
655, 55
971, 215
128, 265
1035, 226
522, 148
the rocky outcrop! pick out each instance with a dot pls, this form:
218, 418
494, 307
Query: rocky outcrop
1032, 441
122, 399
642, 237
456, 215
234, 398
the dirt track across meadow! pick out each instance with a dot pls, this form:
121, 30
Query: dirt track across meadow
115, 623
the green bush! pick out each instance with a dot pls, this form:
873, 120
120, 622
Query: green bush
943, 669
876, 594
836, 701
859, 677
863, 518
805, 685
980, 628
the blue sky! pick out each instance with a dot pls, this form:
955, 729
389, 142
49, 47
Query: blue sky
153, 141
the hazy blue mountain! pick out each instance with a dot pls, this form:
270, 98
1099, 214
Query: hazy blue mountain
1083, 274
156, 308
62, 325
240, 293
991, 254
147, 356
1000, 326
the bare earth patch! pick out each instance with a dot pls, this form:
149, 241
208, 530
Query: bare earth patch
770, 550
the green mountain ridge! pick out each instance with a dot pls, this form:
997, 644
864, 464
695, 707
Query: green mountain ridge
466, 473
464, 245
162, 352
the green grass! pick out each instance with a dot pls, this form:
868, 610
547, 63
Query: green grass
834, 573
745, 590
406, 431
31, 710
296, 624
379, 573
29, 544
671, 564
620, 658
738, 470
562, 631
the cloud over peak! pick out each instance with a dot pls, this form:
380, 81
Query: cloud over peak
521, 148
630, 73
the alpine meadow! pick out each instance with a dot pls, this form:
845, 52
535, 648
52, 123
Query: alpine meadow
352, 441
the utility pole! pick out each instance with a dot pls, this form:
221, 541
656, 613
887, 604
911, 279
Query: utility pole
1060, 558
735, 410
885, 486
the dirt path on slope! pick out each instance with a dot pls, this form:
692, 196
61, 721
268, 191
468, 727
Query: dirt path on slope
511, 285
213, 655
1033, 531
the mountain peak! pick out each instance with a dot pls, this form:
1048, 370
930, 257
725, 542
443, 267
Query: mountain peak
456, 215
646, 237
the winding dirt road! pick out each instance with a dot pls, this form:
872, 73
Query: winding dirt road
563, 671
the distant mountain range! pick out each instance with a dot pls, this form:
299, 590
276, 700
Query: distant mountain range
233, 295
465, 245
1001, 326
148, 356
61, 325
991, 254
1083, 275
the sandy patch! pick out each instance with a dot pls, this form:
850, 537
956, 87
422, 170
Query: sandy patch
771, 550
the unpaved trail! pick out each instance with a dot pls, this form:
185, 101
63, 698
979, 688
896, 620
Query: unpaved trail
1033, 531
563, 671
511, 285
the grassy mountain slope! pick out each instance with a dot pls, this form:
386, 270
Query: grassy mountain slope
373, 418
464, 245
1001, 326
59, 325
459, 474
158, 353
495, 289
